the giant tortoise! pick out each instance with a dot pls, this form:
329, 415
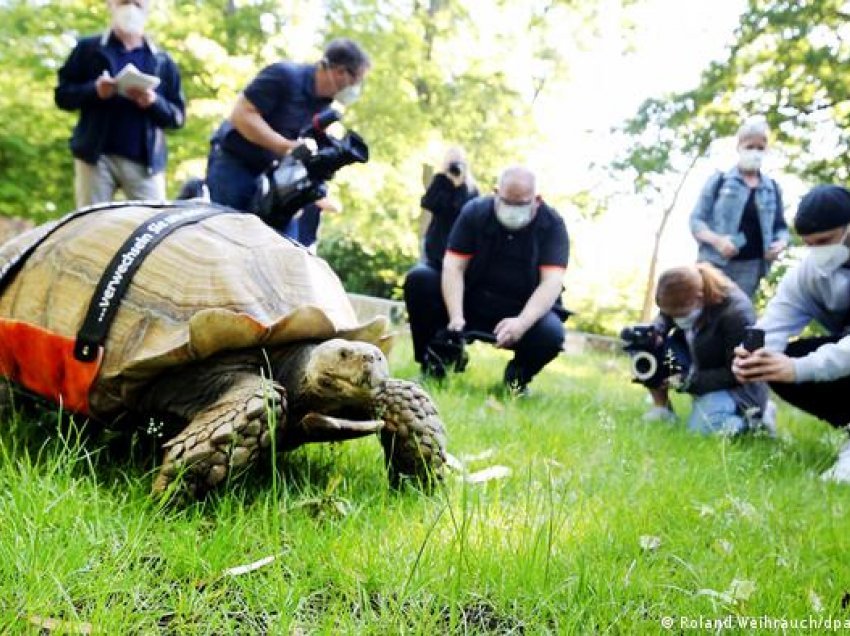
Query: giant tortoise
242, 336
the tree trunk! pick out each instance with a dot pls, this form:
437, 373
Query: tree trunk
648, 308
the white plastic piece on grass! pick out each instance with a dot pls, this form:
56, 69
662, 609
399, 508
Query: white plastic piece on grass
488, 474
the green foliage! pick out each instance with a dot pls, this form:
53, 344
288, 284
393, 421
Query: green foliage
375, 270
785, 63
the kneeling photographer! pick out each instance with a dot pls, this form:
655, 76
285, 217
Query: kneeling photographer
690, 347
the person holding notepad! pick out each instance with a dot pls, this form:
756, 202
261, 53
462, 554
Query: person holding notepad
128, 93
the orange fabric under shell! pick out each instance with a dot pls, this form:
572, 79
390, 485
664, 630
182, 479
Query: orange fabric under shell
44, 363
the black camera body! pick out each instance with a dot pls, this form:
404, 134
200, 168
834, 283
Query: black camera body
299, 178
654, 356
455, 168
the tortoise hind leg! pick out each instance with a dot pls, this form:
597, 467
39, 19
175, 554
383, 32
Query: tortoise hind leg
232, 416
413, 436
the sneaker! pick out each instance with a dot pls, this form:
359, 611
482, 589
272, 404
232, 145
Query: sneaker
840, 472
768, 419
660, 414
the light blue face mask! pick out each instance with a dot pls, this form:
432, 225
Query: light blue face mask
688, 321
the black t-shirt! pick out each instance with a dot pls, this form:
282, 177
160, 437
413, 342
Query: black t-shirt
285, 95
751, 228
513, 258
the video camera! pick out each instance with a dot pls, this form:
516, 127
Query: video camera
447, 351
299, 178
654, 355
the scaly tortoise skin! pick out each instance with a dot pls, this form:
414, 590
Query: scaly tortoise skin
245, 337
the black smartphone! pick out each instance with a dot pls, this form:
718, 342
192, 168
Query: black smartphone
753, 338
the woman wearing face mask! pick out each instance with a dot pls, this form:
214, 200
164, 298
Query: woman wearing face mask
706, 314
738, 219
812, 373
270, 114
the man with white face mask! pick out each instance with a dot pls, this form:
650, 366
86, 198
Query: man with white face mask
738, 220
503, 274
269, 115
118, 142
811, 373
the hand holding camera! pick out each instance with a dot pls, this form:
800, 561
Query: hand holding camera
456, 171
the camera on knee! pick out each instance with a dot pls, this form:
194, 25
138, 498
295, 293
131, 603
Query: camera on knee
446, 352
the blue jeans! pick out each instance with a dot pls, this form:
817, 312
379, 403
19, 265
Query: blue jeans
746, 274
716, 412
232, 183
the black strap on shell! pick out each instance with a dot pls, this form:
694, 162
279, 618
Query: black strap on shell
119, 272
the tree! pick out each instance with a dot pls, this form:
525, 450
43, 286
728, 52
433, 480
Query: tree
786, 63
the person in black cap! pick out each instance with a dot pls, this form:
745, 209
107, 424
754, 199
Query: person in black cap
813, 374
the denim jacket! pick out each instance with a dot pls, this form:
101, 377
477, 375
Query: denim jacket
722, 214
76, 91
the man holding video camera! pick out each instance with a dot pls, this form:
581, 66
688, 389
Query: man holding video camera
269, 114
502, 274
704, 316
813, 373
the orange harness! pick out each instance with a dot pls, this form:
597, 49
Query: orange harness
44, 363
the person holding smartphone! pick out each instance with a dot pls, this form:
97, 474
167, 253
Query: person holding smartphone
708, 314
812, 373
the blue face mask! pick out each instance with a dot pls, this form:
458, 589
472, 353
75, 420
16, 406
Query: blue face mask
688, 321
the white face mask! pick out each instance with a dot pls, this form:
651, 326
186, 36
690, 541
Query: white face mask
828, 258
749, 160
348, 95
514, 217
688, 322
129, 19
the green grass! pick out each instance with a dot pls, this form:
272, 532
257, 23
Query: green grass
745, 527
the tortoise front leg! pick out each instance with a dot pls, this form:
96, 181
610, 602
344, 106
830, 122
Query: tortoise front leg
413, 436
232, 415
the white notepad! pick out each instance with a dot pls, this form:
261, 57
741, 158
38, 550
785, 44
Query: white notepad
131, 77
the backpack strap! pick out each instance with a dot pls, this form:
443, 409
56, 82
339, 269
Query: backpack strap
719, 184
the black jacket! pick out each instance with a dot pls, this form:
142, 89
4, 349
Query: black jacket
443, 199
76, 91
719, 329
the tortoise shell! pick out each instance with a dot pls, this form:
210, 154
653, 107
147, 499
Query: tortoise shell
226, 282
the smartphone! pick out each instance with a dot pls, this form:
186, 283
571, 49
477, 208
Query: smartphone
753, 338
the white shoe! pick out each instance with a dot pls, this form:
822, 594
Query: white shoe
762, 422
660, 414
840, 472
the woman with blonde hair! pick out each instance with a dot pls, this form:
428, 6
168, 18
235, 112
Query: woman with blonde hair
706, 313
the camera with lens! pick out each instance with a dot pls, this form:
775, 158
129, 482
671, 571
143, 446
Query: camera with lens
654, 356
455, 168
299, 178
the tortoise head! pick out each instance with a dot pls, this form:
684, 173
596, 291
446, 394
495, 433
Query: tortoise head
345, 369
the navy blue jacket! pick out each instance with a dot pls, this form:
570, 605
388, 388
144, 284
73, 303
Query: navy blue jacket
76, 91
